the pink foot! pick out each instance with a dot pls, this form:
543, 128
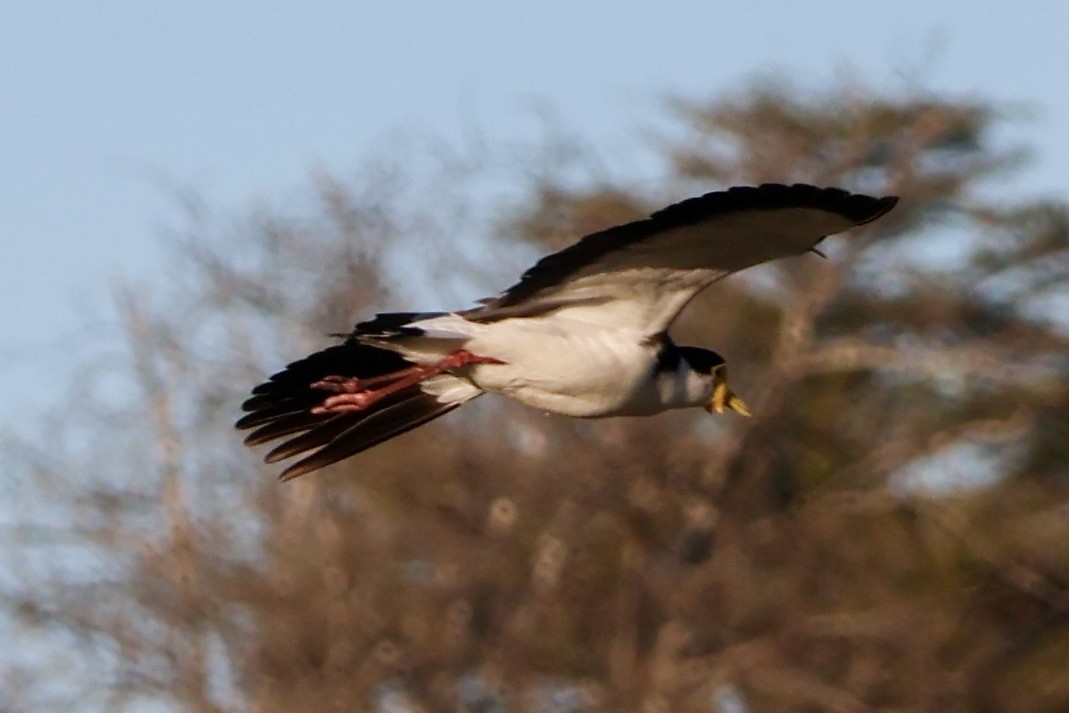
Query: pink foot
353, 385
347, 402
337, 384
462, 358
353, 394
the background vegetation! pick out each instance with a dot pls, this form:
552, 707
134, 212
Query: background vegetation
890, 532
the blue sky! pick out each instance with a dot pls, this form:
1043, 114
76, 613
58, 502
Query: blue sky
106, 107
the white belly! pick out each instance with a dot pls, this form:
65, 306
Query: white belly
575, 372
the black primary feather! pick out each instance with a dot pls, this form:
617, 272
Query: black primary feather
555, 268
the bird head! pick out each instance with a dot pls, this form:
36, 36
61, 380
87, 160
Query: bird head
723, 397
714, 373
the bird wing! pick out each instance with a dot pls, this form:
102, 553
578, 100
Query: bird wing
641, 274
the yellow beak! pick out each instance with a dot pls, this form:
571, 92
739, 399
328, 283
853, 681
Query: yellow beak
725, 398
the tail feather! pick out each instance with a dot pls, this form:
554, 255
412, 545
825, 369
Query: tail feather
314, 437
273, 412
282, 406
315, 430
283, 426
350, 358
287, 391
383, 424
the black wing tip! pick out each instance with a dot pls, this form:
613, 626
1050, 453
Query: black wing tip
881, 207
857, 207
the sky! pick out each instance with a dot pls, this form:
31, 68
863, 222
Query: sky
109, 108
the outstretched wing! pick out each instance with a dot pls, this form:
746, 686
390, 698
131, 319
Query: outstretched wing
641, 274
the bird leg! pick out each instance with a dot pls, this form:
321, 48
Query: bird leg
353, 385
352, 393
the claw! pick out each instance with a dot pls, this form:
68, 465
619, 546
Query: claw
338, 384
353, 394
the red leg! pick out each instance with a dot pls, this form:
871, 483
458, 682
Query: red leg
353, 385
463, 358
352, 396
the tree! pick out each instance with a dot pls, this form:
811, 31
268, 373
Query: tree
810, 559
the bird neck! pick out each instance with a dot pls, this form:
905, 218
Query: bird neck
678, 384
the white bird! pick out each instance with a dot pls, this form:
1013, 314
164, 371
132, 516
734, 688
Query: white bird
583, 333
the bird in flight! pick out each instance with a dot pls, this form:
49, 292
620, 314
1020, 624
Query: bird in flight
583, 333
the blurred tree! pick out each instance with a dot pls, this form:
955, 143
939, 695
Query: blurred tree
890, 531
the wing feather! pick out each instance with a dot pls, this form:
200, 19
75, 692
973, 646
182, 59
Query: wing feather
641, 274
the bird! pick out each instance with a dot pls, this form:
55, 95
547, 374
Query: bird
583, 333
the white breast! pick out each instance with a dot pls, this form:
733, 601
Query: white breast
565, 368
